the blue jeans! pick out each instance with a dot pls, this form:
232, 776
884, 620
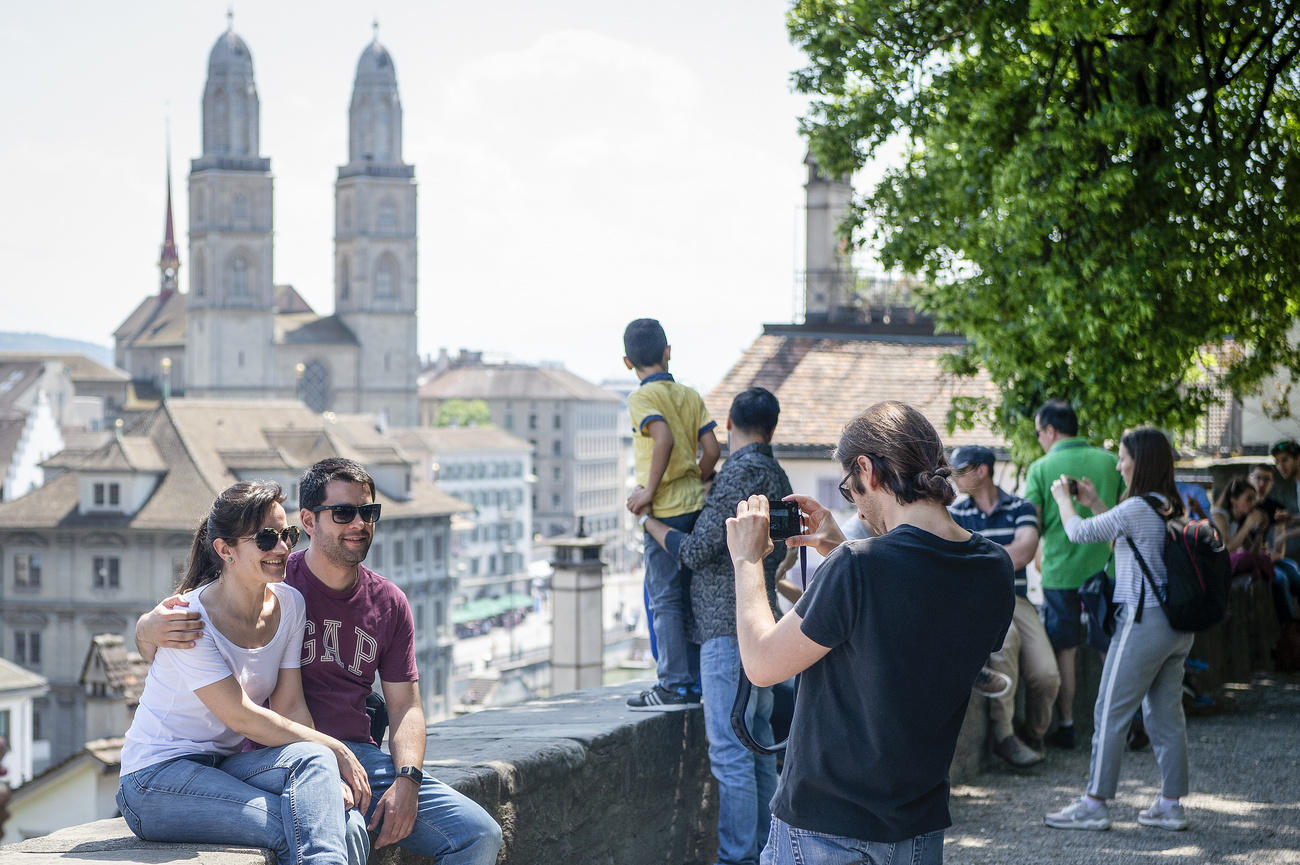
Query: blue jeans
787, 845
668, 585
746, 781
287, 799
1287, 575
449, 826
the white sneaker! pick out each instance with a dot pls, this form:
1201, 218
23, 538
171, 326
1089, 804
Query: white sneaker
1082, 813
1171, 817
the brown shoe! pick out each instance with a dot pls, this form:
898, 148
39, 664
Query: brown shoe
1017, 753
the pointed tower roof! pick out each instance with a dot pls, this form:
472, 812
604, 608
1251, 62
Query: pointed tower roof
169, 257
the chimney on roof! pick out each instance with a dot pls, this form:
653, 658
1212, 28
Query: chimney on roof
828, 271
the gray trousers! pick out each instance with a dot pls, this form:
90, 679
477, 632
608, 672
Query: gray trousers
1027, 655
1144, 665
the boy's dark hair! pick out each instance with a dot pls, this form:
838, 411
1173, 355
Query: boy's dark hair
1290, 446
1060, 416
644, 342
905, 452
311, 488
755, 411
1153, 466
236, 513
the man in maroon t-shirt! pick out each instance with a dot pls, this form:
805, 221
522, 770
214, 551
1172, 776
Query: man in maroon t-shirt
359, 624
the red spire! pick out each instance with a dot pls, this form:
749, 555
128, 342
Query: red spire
169, 258
169, 262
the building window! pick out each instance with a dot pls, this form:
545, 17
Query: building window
387, 216
315, 385
239, 277
555, 473
27, 648
4, 724
99, 494
107, 572
27, 571
437, 548
398, 554
510, 421
419, 617
555, 500
557, 448
386, 277
377, 555
114, 494
559, 421
417, 551
345, 286
532, 421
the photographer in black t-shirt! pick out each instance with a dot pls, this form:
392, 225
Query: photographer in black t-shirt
889, 638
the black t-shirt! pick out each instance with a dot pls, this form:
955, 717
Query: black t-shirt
909, 618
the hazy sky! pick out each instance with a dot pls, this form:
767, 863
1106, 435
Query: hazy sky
579, 163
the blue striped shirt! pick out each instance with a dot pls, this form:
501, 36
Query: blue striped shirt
1010, 513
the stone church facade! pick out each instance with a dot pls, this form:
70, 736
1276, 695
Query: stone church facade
236, 334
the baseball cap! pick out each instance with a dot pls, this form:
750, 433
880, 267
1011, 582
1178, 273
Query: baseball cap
969, 456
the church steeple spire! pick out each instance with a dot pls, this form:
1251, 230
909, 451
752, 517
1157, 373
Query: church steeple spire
169, 261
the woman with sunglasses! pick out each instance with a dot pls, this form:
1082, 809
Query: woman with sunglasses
186, 773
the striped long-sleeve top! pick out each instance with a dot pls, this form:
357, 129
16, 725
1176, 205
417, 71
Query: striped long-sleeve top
1136, 519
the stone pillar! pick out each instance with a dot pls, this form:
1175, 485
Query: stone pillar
578, 641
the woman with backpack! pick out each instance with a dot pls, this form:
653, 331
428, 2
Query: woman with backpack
1145, 661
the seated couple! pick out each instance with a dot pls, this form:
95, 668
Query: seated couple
279, 649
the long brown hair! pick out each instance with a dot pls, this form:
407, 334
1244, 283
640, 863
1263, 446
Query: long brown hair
1153, 467
905, 453
236, 513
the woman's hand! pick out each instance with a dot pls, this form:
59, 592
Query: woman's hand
353, 775
1061, 494
348, 801
1087, 496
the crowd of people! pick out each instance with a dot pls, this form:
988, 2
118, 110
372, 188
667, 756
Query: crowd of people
254, 726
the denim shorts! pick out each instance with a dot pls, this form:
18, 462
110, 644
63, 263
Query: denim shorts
1061, 612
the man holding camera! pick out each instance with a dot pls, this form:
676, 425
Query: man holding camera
746, 781
1067, 565
889, 638
1026, 653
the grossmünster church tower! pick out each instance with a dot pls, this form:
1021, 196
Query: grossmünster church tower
236, 333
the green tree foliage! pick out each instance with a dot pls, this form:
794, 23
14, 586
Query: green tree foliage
464, 412
1095, 192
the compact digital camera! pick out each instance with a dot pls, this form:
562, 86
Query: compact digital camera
785, 520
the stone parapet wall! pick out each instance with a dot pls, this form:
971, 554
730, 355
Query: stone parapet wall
579, 778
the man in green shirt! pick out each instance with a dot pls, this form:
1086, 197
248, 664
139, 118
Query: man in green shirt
1065, 565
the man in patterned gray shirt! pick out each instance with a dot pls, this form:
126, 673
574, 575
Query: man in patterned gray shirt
746, 781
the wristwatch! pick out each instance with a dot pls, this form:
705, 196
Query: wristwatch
412, 772
641, 520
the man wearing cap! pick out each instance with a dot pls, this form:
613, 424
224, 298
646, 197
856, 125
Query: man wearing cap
1066, 565
1286, 490
1026, 652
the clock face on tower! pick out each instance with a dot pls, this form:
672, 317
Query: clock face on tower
169, 272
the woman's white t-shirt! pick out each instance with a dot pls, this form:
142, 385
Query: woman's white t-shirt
172, 722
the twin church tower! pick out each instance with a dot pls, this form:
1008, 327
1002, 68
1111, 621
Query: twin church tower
235, 334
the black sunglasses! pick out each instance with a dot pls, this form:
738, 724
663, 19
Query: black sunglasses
844, 490
267, 538
344, 514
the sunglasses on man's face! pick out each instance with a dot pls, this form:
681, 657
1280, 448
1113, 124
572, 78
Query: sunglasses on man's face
267, 538
344, 514
844, 491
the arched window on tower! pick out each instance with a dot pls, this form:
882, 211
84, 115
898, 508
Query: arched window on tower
238, 286
196, 275
238, 124
345, 280
239, 208
387, 216
386, 277
220, 128
347, 213
315, 386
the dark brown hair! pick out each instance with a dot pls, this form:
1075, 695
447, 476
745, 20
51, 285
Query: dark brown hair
905, 452
1234, 488
311, 487
1153, 466
237, 512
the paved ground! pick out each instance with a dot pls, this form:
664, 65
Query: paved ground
1244, 806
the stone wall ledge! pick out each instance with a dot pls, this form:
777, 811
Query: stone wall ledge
580, 778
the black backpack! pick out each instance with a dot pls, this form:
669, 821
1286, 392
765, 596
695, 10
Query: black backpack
1197, 570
